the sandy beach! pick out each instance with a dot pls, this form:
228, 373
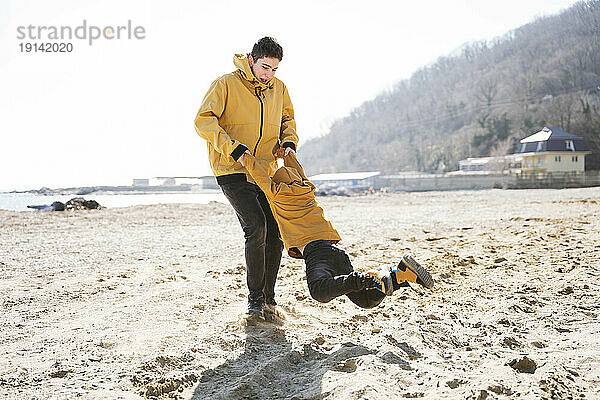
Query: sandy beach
148, 302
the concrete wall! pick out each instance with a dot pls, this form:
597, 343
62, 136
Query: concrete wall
557, 180
412, 183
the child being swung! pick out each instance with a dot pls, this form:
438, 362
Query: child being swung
307, 234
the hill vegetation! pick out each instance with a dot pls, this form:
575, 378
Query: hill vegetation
479, 101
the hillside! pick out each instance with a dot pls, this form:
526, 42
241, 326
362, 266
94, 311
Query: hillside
479, 101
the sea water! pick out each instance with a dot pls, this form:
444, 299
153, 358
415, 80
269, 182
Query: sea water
20, 201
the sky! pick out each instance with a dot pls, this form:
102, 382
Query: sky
120, 109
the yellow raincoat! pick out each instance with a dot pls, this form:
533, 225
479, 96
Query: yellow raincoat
240, 112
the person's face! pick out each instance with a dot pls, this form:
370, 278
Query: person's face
264, 68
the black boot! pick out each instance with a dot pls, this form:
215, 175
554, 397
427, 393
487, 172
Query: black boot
256, 307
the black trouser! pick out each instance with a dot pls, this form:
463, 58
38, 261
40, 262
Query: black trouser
329, 274
263, 245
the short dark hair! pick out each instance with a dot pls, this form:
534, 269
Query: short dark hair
267, 47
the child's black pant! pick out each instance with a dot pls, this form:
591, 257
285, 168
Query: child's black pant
330, 274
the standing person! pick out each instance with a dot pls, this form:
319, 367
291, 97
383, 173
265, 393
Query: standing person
249, 111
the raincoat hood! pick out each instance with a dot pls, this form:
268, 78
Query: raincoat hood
243, 68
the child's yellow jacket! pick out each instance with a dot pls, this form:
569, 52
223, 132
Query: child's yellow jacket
292, 200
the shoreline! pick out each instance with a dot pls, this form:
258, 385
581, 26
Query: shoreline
20, 201
87, 190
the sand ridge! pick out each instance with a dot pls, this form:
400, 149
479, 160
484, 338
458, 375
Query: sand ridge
147, 302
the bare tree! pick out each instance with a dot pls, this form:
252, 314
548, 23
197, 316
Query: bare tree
487, 89
562, 109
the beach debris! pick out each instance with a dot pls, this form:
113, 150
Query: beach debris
56, 206
76, 203
79, 203
524, 365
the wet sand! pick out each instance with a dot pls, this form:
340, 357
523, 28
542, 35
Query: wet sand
148, 302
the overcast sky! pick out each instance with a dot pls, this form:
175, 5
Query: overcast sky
124, 109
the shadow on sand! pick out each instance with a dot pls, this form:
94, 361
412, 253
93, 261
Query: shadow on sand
271, 367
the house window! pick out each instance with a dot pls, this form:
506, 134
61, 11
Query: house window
574, 158
523, 145
557, 158
539, 147
569, 144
